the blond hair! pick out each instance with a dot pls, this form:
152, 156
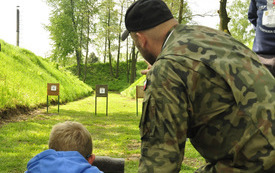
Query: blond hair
71, 136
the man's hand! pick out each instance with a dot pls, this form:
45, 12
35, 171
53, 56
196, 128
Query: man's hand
144, 72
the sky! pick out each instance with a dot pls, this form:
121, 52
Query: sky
34, 15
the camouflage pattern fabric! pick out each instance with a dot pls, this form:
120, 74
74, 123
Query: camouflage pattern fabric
210, 88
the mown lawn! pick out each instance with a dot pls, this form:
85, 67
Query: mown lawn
115, 135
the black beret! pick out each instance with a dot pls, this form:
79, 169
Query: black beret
145, 14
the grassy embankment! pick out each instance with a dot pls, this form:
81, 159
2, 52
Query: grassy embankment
24, 77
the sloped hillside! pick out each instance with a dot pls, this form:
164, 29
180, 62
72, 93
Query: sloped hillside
24, 77
131, 90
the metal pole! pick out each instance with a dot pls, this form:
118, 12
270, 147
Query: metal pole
47, 103
137, 104
95, 104
58, 103
17, 26
107, 105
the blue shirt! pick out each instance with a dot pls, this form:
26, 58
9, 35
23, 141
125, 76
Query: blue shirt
51, 161
264, 42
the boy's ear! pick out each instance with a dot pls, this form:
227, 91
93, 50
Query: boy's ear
91, 159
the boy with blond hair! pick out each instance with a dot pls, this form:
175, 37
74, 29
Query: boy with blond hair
70, 151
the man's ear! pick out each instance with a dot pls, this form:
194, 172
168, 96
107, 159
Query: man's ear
91, 159
142, 39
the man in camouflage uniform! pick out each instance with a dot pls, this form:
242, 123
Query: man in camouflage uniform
203, 85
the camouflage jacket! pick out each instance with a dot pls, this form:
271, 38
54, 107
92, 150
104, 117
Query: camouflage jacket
210, 88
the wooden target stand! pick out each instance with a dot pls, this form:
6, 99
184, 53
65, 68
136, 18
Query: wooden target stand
139, 94
101, 91
52, 90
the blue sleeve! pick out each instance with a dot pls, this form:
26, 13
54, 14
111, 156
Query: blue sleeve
252, 13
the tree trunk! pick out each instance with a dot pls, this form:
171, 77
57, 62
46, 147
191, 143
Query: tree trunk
110, 57
119, 40
80, 50
180, 12
105, 47
109, 43
78, 60
117, 61
133, 67
224, 19
87, 46
127, 59
77, 42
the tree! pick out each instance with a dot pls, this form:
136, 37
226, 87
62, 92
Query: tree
87, 18
180, 10
93, 58
109, 36
108, 29
224, 19
119, 37
60, 31
240, 27
67, 28
133, 64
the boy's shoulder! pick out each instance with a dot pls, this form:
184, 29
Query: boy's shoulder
50, 161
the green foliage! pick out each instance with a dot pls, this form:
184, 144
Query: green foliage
70, 25
24, 77
107, 28
174, 6
239, 26
115, 135
99, 74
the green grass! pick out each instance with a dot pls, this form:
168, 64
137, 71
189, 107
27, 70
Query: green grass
24, 77
115, 135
